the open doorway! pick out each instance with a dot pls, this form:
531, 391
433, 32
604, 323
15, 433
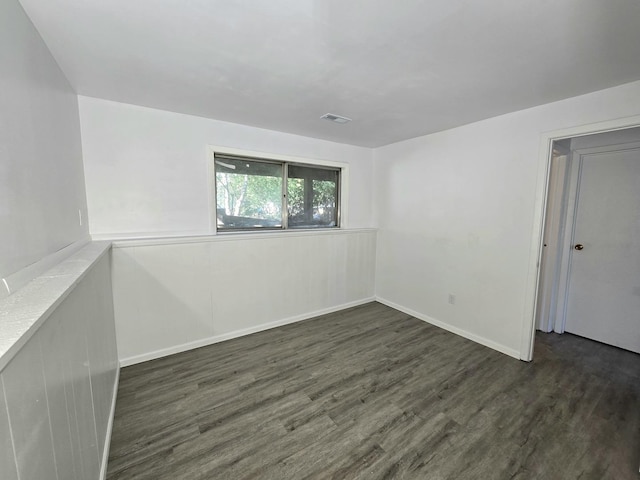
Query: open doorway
589, 279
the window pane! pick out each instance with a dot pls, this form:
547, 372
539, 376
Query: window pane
249, 193
312, 195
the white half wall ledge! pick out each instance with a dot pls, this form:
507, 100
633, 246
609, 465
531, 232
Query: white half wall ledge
59, 368
450, 328
23, 312
15, 281
125, 362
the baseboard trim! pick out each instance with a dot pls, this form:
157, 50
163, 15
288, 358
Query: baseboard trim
450, 328
125, 362
107, 442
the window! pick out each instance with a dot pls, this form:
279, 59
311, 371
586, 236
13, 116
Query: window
256, 194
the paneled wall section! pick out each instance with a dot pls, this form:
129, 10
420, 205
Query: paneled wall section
172, 296
57, 392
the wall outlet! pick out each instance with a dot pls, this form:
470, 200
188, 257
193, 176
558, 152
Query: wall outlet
80, 216
452, 299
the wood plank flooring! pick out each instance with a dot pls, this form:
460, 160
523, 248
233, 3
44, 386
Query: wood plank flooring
372, 393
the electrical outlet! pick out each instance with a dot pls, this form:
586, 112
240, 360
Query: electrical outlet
80, 216
452, 299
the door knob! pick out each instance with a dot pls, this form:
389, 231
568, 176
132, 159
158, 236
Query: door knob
579, 246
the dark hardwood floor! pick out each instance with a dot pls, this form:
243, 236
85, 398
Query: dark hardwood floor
372, 393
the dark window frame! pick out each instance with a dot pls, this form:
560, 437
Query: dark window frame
219, 156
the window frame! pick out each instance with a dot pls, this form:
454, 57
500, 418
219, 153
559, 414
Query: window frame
284, 160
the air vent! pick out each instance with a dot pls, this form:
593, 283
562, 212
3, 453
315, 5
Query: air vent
335, 118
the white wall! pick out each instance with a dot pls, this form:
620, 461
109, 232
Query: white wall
457, 212
146, 175
57, 392
172, 295
41, 171
146, 169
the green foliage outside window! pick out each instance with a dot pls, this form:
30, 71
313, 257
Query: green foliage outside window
249, 194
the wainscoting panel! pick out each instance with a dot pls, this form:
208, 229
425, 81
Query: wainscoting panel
60, 385
175, 295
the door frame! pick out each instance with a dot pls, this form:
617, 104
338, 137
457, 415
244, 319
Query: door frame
553, 234
574, 171
540, 206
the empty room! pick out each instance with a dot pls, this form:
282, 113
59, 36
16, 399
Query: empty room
319, 239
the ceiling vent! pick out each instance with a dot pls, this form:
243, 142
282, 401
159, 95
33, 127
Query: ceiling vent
335, 118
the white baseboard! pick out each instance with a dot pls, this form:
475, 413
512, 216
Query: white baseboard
458, 331
125, 362
107, 440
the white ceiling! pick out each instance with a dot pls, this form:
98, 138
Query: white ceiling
399, 69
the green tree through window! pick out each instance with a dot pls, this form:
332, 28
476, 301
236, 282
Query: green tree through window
249, 194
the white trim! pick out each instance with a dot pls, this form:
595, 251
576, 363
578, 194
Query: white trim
553, 239
274, 156
564, 272
142, 241
107, 441
535, 250
211, 191
343, 166
450, 328
115, 236
23, 276
125, 362
3, 390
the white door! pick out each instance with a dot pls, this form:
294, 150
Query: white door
603, 301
